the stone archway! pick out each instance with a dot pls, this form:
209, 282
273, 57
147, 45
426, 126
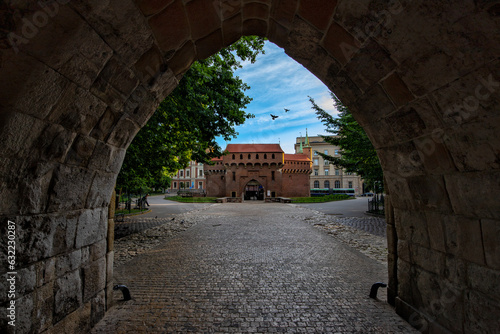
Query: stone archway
79, 79
253, 190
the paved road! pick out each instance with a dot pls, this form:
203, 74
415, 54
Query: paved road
251, 268
351, 208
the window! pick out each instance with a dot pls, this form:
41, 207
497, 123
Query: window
327, 162
327, 171
181, 173
201, 173
233, 156
273, 156
337, 184
315, 152
187, 173
234, 176
241, 156
265, 156
249, 156
348, 173
327, 184
316, 184
349, 184
200, 185
181, 185
325, 151
272, 175
316, 162
337, 172
336, 152
257, 156
175, 185
316, 173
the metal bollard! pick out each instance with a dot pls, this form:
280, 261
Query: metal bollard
124, 290
374, 289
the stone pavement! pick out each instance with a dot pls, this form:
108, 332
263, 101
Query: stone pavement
251, 268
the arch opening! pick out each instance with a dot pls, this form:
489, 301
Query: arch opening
254, 191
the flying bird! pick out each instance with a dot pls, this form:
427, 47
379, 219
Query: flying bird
287, 110
274, 117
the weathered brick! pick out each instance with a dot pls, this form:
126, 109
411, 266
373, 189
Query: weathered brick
231, 29
491, 239
150, 7
283, 11
209, 45
397, 90
317, 12
172, 18
94, 278
255, 11
203, 18
341, 45
183, 59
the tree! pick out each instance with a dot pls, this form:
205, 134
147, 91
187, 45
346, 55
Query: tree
357, 154
208, 102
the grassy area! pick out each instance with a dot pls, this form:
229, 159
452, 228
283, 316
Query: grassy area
192, 199
320, 199
131, 211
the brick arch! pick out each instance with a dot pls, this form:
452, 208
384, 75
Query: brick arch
80, 78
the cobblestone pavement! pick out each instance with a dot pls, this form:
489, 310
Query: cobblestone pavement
137, 224
372, 225
251, 268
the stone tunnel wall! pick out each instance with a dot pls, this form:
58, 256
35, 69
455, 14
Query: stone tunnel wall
80, 78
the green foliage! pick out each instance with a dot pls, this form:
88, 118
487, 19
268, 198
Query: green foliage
208, 102
321, 199
357, 154
192, 199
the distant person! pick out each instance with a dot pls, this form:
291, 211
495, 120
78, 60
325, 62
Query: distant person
145, 199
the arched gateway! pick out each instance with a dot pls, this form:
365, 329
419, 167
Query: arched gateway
254, 191
80, 78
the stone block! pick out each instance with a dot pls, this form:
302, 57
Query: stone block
402, 159
78, 322
255, 10
435, 230
455, 270
397, 90
428, 259
412, 227
451, 234
77, 110
109, 94
123, 133
209, 45
68, 294
81, 151
491, 240
98, 308
18, 132
481, 313
182, 59
340, 43
68, 262
322, 65
24, 314
122, 27
109, 266
43, 307
150, 7
149, 65
111, 234
278, 34
69, 188
283, 12
370, 65
94, 278
477, 203
53, 144
85, 255
470, 242
34, 188
231, 29
45, 271
203, 18
303, 41
398, 185
430, 193
365, 104
172, 18
254, 27
100, 190
484, 280
403, 249
98, 250
435, 155
473, 146
92, 227
25, 74
317, 12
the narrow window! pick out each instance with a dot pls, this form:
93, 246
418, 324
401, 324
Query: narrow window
337, 184
241, 156
234, 176
350, 184
265, 156
249, 156
273, 156
316, 184
257, 156
233, 157
272, 175
327, 184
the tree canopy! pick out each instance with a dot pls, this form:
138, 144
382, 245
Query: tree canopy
208, 102
357, 154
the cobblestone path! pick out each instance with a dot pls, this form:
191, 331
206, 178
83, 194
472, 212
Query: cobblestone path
251, 268
372, 225
137, 224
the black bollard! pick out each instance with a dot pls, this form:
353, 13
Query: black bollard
124, 290
374, 289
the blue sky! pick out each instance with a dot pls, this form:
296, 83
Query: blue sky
277, 82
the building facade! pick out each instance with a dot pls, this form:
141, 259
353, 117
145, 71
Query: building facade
257, 171
325, 175
191, 177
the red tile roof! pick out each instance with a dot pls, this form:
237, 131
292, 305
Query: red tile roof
254, 148
296, 157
